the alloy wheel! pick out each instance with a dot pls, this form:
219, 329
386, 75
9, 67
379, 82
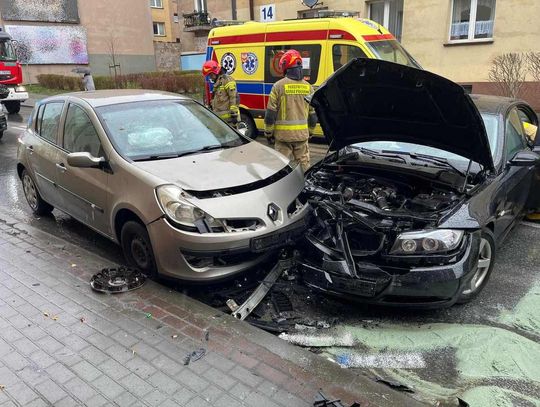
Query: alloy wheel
30, 192
482, 269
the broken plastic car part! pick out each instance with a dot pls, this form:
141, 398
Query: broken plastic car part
117, 280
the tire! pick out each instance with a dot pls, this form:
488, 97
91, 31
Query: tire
252, 131
486, 256
13, 107
137, 248
34, 199
1, 135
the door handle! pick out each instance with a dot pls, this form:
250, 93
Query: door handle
61, 167
30, 149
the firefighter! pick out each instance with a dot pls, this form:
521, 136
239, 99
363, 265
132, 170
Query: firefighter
224, 101
289, 119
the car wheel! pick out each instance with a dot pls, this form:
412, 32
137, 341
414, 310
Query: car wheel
138, 249
485, 262
252, 131
1, 135
13, 107
34, 199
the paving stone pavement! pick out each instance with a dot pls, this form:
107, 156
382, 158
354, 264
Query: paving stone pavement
62, 344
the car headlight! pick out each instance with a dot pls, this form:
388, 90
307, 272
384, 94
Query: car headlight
427, 241
174, 204
20, 89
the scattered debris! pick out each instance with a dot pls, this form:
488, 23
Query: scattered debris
73, 265
206, 335
174, 336
36, 285
82, 319
260, 292
117, 280
462, 403
278, 326
194, 356
395, 385
2, 387
322, 401
281, 302
55, 318
233, 306
148, 315
45, 314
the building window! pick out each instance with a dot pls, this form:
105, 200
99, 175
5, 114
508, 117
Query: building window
159, 29
156, 3
388, 13
313, 13
472, 20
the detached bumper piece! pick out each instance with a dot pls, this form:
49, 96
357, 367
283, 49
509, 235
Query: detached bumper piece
322, 401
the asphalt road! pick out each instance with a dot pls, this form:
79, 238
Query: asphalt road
486, 352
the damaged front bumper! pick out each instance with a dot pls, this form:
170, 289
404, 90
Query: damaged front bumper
399, 283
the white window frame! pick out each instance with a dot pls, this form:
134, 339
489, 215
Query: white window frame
156, 3
472, 25
158, 24
386, 12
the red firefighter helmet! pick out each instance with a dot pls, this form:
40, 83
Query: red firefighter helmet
210, 67
290, 59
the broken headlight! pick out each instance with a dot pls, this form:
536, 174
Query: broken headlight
181, 212
427, 241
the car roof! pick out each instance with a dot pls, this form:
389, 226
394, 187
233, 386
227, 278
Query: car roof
116, 96
493, 104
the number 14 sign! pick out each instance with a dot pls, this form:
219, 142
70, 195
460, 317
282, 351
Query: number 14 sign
268, 13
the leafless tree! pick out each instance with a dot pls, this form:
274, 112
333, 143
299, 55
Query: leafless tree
533, 59
112, 45
508, 73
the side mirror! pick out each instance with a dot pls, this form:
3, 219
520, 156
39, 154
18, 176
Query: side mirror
242, 128
84, 160
525, 159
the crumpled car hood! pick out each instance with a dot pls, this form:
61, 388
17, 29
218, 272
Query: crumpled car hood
218, 169
369, 100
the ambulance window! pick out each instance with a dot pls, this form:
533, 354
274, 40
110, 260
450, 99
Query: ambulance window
341, 54
311, 56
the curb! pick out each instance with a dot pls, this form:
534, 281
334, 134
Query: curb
239, 338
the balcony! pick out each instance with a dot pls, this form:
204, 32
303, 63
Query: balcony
197, 21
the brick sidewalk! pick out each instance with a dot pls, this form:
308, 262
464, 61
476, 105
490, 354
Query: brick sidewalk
62, 344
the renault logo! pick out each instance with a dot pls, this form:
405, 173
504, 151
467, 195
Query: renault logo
273, 211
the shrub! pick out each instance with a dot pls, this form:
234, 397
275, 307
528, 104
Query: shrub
60, 82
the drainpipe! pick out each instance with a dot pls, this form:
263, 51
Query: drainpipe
233, 7
251, 13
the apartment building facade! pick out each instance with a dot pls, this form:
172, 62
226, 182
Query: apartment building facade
166, 30
59, 35
455, 38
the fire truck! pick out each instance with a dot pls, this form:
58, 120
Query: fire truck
11, 74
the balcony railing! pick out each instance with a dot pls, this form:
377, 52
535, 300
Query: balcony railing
197, 21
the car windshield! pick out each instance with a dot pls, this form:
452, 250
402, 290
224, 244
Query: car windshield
490, 122
165, 129
392, 51
7, 53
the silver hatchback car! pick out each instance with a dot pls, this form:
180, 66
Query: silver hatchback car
184, 195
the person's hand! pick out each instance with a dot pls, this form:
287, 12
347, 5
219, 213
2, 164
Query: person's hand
270, 137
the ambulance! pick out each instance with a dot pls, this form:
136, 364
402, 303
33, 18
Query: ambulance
250, 53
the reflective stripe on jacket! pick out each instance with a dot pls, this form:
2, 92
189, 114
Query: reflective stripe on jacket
287, 110
225, 98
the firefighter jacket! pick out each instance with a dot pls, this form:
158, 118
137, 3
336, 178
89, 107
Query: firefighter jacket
225, 99
288, 115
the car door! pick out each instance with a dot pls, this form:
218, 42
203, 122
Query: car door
42, 150
516, 180
84, 190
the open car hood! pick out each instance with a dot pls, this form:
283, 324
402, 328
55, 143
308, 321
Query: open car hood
370, 99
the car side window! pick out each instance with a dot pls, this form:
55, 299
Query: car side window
80, 135
514, 134
49, 120
342, 53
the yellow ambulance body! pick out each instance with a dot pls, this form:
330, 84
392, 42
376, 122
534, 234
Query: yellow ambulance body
250, 53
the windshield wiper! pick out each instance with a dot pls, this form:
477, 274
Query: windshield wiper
433, 159
156, 157
182, 154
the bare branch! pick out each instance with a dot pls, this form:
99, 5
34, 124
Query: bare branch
533, 59
508, 73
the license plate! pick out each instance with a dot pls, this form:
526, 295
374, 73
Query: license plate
275, 240
5, 72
